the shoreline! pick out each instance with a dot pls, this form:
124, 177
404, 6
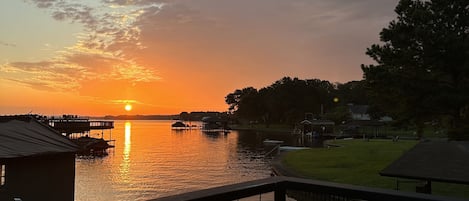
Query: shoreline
279, 169
274, 129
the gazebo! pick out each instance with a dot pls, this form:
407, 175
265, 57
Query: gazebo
439, 161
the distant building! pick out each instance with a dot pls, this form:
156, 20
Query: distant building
36, 162
317, 127
359, 112
360, 123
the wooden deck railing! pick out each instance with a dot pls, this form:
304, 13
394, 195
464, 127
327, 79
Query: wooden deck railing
79, 125
313, 190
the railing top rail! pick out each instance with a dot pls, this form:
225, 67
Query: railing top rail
250, 188
228, 192
359, 192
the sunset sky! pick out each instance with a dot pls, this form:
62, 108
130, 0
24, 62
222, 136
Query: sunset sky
93, 57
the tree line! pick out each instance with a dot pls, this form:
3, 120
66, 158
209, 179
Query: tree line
421, 74
288, 99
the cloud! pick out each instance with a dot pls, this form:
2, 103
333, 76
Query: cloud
76, 13
44, 3
67, 73
296, 37
7, 44
133, 39
100, 53
50, 76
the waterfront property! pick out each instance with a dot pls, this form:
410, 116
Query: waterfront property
213, 124
306, 189
316, 127
37, 162
79, 129
70, 124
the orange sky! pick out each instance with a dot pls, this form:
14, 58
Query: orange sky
165, 57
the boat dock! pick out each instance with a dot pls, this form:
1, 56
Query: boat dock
78, 130
78, 125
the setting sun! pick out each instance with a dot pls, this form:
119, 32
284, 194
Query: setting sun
128, 107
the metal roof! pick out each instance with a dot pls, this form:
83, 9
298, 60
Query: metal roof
443, 161
359, 109
22, 136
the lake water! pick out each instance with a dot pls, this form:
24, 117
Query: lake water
151, 160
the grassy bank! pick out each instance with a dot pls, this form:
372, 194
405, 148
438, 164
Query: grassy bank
358, 162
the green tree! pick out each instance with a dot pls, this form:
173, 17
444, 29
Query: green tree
285, 101
244, 103
422, 70
353, 92
339, 114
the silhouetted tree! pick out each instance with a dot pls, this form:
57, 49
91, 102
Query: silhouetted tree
285, 101
244, 103
185, 116
422, 70
353, 92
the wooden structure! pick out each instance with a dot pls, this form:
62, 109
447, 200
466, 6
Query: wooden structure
364, 128
69, 126
319, 127
307, 189
214, 125
78, 130
439, 161
37, 162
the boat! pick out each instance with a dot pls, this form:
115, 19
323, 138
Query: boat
92, 146
272, 142
179, 125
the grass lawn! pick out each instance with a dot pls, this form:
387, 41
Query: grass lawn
358, 162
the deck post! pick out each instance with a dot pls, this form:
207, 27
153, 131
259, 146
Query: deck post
279, 194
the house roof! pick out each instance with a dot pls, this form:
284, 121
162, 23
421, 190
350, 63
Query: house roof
358, 109
22, 136
442, 161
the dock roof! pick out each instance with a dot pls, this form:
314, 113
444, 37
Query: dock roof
22, 136
442, 161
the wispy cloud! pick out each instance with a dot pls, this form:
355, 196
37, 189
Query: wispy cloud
100, 53
295, 36
48, 75
7, 44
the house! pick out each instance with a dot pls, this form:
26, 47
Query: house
359, 112
361, 123
36, 162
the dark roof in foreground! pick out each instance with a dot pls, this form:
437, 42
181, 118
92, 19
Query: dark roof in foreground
443, 161
24, 136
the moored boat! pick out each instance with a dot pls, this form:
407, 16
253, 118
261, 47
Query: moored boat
179, 124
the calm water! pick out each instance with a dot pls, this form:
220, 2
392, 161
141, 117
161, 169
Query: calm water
150, 160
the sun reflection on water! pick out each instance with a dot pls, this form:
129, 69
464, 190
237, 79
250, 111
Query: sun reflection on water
151, 161
125, 164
